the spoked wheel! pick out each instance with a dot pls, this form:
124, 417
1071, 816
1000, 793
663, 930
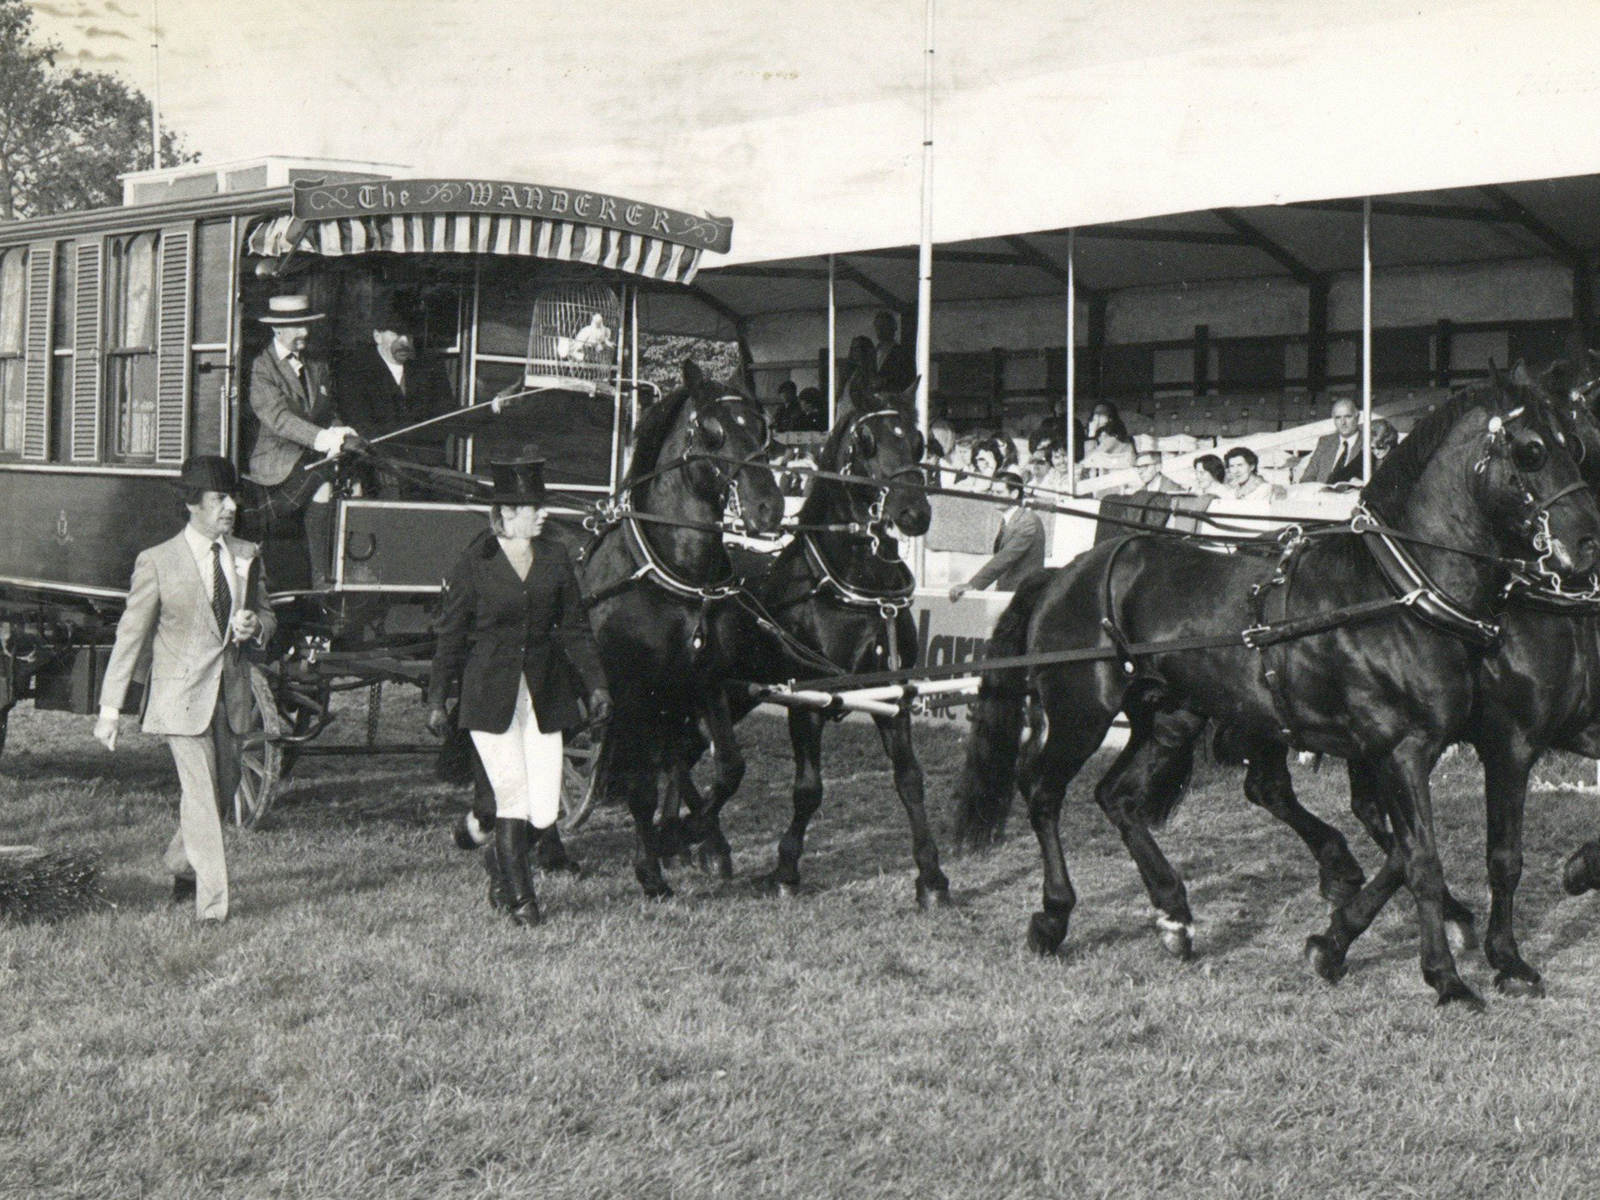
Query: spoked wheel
260, 753
577, 780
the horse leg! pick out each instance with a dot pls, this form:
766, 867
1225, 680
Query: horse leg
1066, 737
805, 737
1366, 802
1142, 788
727, 772
933, 889
1410, 805
636, 776
1505, 793
1268, 786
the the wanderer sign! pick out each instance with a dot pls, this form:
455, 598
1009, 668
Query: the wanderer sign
428, 197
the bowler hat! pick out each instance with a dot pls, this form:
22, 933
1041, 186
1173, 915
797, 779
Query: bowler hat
289, 310
209, 473
518, 482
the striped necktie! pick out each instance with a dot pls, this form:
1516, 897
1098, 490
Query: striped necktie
221, 597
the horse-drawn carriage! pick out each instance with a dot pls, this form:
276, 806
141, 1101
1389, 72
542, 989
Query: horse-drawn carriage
126, 338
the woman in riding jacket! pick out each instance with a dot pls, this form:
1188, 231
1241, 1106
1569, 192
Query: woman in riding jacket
515, 641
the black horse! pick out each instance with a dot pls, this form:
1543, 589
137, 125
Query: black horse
1539, 690
1487, 475
657, 575
836, 601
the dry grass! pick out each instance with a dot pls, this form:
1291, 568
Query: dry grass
362, 1028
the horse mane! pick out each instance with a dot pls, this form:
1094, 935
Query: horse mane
815, 507
1396, 476
651, 434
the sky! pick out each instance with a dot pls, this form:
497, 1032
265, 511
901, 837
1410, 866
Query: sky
802, 119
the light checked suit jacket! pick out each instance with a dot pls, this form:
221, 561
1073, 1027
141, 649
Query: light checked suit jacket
169, 611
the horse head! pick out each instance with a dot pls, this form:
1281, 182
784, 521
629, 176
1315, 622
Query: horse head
1529, 477
1574, 391
885, 446
724, 443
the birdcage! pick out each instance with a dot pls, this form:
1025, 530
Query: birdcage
574, 338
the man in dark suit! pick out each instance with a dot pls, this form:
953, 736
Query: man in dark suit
1337, 456
1018, 547
895, 369
297, 424
195, 598
386, 385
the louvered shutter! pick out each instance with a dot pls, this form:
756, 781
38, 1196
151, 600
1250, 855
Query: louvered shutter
86, 372
172, 345
36, 394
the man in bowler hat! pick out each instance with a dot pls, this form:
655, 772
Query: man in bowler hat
196, 598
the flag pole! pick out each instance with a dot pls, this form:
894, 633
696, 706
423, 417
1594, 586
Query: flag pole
925, 246
155, 90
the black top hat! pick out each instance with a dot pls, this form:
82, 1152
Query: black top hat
518, 482
209, 473
395, 313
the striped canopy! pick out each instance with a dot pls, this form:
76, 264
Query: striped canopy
479, 233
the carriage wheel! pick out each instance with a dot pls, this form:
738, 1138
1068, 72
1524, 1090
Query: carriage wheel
260, 754
577, 776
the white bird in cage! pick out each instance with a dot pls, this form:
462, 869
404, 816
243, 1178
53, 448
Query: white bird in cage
594, 340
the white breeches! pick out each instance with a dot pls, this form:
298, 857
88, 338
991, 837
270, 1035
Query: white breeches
524, 765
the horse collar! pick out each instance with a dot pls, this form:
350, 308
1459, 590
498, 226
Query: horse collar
895, 598
652, 568
1405, 576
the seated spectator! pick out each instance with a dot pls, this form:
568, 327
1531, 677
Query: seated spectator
1209, 476
1105, 417
1152, 481
1059, 477
815, 410
1384, 439
1248, 492
1039, 464
790, 416
941, 438
987, 456
1113, 450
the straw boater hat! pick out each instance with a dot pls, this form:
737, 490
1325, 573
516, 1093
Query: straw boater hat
518, 482
289, 310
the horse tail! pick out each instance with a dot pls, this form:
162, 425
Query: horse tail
982, 799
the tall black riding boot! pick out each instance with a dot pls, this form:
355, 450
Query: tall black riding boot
511, 851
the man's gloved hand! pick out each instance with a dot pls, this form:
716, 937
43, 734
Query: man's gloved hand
599, 706
438, 722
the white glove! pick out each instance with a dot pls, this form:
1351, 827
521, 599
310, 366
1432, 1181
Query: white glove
331, 441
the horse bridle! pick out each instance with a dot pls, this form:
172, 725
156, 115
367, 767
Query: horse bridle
1536, 518
911, 474
726, 470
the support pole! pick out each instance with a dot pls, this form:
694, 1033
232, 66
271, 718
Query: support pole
155, 90
925, 246
1072, 364
1366, 337
833, 348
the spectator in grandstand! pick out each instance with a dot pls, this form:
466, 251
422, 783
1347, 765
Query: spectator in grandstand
1209, 476
1018, 546
1152, 480
1336, 451
790, 415
941, 439
1248, 492
892, 361
1112, 443
1059, 477
815, 409
1039, 463
987, 456
1384, 439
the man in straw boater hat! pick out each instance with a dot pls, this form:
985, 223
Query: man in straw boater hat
298, 424
195, 599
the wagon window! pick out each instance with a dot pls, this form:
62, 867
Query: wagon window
131, 346
13, 304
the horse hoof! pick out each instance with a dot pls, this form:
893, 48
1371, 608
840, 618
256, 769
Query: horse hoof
1456, 992
929, 898
1520, 982
774, 884
1177, 938
1046, 933
1580, 873
1325, 962
1462, 936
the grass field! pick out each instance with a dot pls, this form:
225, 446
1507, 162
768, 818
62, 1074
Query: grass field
361, 1027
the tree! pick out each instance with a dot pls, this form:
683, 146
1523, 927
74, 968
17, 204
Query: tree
65, 134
